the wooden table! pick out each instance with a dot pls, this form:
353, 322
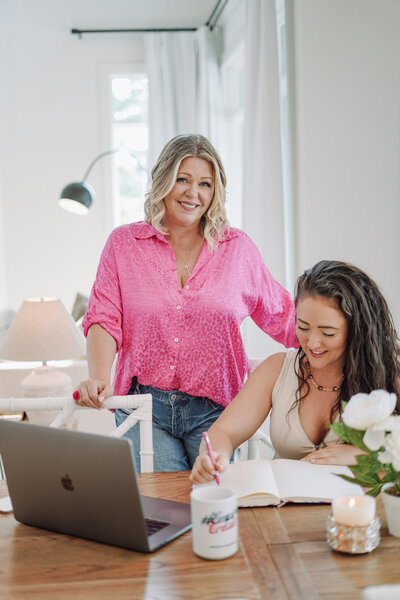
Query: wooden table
283, 555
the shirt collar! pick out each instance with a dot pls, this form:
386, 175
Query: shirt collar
143, 230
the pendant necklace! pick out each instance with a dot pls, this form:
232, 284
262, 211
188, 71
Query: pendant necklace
185, 263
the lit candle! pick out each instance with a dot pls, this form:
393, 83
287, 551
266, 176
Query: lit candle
353, 511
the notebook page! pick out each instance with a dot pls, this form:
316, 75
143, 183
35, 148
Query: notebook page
249, 477
300, 479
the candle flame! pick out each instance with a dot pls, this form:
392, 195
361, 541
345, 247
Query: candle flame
352, 502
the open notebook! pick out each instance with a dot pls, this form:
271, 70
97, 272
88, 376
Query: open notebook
264, 482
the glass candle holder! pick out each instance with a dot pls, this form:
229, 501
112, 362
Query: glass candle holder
356, 539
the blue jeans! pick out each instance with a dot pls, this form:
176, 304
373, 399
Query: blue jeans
179, 419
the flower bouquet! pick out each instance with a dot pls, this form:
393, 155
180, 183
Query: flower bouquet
368, 423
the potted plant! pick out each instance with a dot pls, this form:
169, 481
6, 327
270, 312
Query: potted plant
368, 423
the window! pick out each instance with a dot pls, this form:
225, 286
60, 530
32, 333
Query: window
232, 150
233, 22
129, 133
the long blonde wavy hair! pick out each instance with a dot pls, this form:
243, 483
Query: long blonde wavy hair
214, 223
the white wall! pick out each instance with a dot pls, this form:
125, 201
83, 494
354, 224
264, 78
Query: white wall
347, 186
52, 129
3, 295
347, 99
3, 72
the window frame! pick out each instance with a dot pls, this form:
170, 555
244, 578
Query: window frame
107, 73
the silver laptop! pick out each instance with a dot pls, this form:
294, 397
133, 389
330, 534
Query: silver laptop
85, 485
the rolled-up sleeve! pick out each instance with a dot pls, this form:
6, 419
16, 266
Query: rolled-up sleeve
275, 311
105, 303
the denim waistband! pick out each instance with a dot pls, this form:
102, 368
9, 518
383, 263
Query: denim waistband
164, 395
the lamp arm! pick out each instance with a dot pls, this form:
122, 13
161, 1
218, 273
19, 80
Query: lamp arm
94, 161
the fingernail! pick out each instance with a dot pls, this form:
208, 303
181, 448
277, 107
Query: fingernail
76, 395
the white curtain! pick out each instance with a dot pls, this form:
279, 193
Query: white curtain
184, 86
262, 168
263, 190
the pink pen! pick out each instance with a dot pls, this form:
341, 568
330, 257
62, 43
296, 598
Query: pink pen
211, 455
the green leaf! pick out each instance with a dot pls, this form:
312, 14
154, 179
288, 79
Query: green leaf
350, 435
339, 429
387, 478
355, 480
375, 490
369, 462
365, 483
346, 477
355, 437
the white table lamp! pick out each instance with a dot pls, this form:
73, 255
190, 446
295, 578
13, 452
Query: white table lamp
41, 331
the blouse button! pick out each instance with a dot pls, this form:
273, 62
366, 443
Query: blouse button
187, 287
179, 307
176, 339
171, 367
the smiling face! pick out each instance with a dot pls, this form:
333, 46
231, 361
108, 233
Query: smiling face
191, 194
322, 331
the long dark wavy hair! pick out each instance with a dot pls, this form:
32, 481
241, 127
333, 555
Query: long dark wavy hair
372, 350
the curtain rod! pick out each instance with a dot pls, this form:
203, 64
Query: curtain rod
211, 23
138, 30
216, 13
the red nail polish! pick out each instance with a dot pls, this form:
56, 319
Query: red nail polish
76, 395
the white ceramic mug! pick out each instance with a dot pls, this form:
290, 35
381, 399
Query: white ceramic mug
214, 522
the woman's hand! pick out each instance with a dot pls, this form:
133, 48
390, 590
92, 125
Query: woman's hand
203, 470
93, 392
101, 348
334, 454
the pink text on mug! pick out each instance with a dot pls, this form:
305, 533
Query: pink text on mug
218, 522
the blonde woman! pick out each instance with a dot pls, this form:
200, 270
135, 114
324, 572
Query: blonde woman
170, 295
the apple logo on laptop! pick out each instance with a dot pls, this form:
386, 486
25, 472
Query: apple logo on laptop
66, 482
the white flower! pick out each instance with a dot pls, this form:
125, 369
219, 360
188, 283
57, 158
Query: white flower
374, 437
392, 450
364, 410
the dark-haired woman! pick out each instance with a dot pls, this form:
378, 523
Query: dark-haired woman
348, 344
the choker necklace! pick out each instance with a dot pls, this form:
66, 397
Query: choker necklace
335, 388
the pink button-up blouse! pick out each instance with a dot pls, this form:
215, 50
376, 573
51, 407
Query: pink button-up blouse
185, 339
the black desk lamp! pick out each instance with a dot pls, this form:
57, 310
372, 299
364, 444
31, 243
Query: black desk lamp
78, 197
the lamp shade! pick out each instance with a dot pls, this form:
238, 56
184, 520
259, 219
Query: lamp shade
77, 197
42, 330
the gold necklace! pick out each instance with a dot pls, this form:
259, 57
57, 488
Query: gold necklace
335, 388
185, 263
186, 267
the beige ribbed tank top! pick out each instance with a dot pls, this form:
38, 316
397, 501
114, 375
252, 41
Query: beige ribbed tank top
287, 434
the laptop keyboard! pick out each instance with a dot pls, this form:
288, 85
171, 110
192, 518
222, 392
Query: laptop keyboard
153, 525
